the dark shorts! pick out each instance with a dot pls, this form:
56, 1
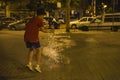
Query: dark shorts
32, 44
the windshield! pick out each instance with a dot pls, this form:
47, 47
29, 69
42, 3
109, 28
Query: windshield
83, 19
97, 20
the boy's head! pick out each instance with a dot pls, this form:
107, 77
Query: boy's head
41, 11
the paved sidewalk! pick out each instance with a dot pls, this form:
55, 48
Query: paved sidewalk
92, 55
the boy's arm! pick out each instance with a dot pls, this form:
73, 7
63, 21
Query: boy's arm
46, 30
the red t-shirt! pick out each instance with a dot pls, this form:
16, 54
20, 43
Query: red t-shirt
32, 29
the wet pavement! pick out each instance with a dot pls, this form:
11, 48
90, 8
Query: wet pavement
92, 55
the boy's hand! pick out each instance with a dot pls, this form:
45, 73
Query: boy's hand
47, 31
52, 31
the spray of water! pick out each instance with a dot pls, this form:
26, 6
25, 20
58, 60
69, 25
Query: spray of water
55, 45
51, 50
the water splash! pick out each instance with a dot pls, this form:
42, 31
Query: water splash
51, 50
55, 45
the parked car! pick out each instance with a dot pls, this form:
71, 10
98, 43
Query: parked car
21, 24
5, 21
84, 20
109, 21
17, 25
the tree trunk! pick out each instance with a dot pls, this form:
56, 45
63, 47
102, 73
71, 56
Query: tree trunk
7, 11
68, 16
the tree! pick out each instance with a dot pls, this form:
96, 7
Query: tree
34, 4
47, 4
6, 6
80, 5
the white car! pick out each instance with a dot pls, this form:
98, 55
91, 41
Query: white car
109, 21
21, 25
84, 20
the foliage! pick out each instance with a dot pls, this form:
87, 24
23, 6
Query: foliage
52, 4
33, 4
9, 1
47, 4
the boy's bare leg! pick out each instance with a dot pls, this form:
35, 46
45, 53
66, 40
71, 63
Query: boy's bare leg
38, 55
38, 59
30, 56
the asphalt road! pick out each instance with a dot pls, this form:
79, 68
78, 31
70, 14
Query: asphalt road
92, 55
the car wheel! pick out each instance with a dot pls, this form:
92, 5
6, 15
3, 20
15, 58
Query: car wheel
74, 26
84, 28
115, 28
0, 28
12, 28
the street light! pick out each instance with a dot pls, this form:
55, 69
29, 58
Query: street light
94, 7
0, 4
94, 13
103, 7
58, 4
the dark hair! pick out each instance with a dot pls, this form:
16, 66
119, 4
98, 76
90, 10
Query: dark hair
41, 11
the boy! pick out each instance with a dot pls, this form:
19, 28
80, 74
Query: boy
31, 38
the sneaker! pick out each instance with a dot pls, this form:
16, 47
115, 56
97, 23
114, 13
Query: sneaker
37, 68
29, 67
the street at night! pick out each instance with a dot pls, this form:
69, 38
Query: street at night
59, 40
78, 55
